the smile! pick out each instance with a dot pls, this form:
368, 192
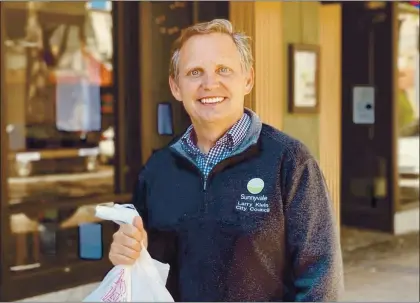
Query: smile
211, 100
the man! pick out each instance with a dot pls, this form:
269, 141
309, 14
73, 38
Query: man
238, 209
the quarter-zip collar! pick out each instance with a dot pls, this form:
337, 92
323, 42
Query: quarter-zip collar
250, 139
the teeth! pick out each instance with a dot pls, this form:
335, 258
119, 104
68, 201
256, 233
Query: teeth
212, 100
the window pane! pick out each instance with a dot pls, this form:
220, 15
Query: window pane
57, 237
408, 106
58, 61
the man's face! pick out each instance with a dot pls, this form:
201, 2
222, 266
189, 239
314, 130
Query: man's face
211, 83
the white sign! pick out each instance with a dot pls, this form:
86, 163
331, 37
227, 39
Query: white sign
28, 157
86, 152
363, 105
305, 77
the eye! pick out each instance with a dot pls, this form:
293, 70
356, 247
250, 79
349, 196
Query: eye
224, 70
194, 73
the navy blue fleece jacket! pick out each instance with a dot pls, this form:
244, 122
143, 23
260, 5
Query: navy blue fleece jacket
260, 228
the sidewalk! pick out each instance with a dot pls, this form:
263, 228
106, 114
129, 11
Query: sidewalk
392, 279
385, 271
377, 268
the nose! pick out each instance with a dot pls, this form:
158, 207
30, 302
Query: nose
211, 81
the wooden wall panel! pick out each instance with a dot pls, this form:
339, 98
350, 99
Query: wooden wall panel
330, 99
241, 14
269, 63
262, 21
300, 25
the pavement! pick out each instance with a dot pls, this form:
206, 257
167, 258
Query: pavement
385, 271
377, 268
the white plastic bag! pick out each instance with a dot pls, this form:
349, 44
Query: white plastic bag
143, 281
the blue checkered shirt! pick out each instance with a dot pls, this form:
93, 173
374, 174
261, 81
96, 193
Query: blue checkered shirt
221, 150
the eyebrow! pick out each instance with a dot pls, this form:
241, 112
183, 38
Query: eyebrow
187, 69
192, 68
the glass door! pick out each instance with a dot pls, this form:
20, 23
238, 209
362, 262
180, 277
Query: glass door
407, 106
58, 151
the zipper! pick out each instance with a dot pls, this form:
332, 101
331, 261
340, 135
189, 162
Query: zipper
210, 174
204, 183
194, 166
197, 169
204, 179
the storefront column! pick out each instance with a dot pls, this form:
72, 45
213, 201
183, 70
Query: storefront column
330, 99
262, 21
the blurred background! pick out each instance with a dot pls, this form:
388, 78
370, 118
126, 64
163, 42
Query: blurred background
85, 102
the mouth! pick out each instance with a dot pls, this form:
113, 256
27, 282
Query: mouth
212, 100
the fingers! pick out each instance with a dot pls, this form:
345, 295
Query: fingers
124, 249
120, 260
122, 255
138, 222
126, 244
128, 238
145, 239
131, 232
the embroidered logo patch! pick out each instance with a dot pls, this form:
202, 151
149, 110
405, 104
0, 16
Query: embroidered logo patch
255, 186
254, 202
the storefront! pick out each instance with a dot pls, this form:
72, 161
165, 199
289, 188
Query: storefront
76, 127
56, 163
82, 86
380, 155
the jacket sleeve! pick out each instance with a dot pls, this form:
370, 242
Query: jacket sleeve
162, 243
139, 199
313, 242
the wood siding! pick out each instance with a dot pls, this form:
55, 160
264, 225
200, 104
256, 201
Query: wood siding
301, 26
241, 14
261, 21
269, 63
330, 99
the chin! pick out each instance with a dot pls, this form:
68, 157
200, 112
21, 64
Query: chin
214, 117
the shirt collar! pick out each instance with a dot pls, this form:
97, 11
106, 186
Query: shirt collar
231, 139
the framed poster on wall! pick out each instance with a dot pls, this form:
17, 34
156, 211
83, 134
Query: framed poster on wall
304, 64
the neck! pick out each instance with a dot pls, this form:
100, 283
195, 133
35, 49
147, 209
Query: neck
208, 134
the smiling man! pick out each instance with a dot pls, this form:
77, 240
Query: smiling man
239, 210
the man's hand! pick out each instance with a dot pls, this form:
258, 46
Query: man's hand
126, 246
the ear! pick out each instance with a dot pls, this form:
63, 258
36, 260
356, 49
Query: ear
176, 92
249, 81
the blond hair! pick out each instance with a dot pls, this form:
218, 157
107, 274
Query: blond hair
222, 26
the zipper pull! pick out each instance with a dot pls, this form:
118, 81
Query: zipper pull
204, 183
